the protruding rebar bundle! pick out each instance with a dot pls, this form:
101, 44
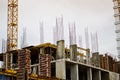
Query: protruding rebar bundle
24, 43
54, 35
80, 41
72, 33
87, 38
3, 46
41, 32
94, 42
60, 28
97, 46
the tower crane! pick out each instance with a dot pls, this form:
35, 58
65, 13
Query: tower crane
12, 30
12, 25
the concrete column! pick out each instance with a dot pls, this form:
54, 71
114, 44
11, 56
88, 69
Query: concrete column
61, 69
99, 73
11, 61
42, 51
35, 69
6, 65
96, 75
81, 59
60, 49
4, 61
95, 59
73, 52
118, 67
39, 65
8, 60
88, 56
105, 75
89, 74
74, 72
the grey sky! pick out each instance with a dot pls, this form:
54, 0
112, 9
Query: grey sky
97, 15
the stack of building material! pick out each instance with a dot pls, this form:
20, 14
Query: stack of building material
45, 65
23, 64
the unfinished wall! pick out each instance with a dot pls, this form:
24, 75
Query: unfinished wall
23, 64
107, 62
45, 65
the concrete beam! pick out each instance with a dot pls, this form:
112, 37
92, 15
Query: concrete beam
74, 72
73, 52
61, 69
60, 49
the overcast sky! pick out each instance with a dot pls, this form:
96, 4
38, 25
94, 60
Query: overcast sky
97, 15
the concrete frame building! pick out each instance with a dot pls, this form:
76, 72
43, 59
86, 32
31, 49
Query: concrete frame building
57, 62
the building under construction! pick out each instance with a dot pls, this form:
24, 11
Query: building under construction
55, 62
